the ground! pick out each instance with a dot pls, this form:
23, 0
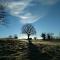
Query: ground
22, 50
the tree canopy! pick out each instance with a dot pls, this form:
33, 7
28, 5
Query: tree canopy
28, 29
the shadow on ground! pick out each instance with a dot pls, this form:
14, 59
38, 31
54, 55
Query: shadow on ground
35, 54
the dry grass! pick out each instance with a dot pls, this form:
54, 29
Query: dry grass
46, 42
18, 49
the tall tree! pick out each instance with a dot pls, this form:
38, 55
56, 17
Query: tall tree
28, 29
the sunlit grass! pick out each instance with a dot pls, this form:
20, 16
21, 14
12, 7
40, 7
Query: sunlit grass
17, 49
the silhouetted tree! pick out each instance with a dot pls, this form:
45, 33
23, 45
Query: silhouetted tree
48, 36
43, 35
52, 35
35, 38
28, 29
15, 36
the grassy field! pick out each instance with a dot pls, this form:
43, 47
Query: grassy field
22, 50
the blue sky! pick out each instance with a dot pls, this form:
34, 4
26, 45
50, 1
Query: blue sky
43, 14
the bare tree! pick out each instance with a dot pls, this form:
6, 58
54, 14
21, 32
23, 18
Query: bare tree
50, 36
28, 29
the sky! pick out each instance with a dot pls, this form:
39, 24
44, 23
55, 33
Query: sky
44, 15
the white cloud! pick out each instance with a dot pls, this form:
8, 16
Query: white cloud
17, 7
29, 18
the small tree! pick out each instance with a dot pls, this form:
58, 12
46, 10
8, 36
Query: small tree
48, 36
43, 35
28, 29
35, 38
15, 36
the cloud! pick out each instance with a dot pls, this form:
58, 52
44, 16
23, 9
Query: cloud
17, 8
29, 18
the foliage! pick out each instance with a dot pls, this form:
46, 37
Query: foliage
43, 35
15, 36
48, 37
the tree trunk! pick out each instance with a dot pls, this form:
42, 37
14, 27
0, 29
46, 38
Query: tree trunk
28, 36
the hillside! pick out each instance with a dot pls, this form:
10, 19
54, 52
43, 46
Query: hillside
21, 50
